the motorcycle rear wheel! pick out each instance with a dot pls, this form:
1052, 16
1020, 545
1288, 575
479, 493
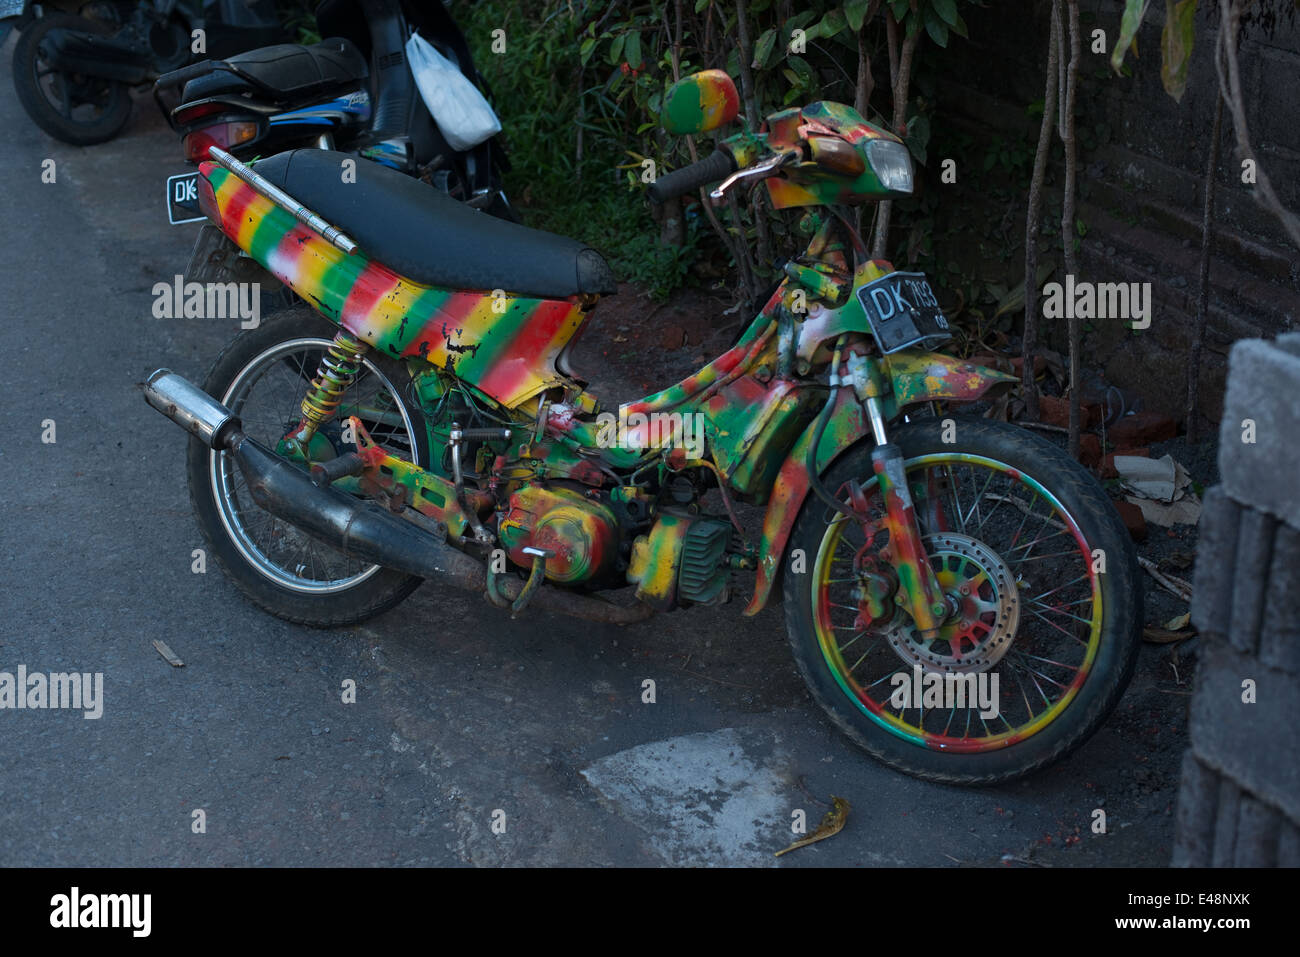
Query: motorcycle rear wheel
262, 376
1046, 591
104, 105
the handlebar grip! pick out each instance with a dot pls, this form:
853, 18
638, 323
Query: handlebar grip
690, 178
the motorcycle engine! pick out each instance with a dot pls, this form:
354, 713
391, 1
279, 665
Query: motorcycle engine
581, 533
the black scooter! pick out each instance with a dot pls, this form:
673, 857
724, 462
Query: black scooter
352, 92
73, 74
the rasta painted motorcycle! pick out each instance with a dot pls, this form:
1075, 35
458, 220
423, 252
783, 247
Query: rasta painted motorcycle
959, 594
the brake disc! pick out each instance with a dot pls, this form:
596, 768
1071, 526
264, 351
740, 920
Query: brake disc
976, 636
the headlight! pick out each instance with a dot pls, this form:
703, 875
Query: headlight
892, 165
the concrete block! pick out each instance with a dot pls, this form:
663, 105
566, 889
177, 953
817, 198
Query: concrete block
1254, 744
1263, 384
1250, 574
1216, 554
1279, 639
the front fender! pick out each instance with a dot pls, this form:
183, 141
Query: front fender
914, 377
917, 376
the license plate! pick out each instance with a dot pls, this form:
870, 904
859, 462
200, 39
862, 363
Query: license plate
904, 312
183, 199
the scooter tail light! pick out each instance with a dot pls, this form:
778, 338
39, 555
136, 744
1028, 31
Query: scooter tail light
224, 135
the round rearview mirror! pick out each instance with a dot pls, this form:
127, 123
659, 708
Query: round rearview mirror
700, 102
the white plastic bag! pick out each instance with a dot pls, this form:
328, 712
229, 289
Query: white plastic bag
459, 109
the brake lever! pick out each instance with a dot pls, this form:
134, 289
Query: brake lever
758, 171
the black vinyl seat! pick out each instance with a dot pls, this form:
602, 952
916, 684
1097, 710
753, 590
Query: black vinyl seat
286, 72
425, 235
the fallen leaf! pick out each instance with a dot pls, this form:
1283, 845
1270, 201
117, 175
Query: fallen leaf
168, 654
832, 823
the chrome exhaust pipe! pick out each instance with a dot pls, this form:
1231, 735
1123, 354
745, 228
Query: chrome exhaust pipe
191, 408
354, 527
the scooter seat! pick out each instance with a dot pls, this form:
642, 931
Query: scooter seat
427, 236
284, 73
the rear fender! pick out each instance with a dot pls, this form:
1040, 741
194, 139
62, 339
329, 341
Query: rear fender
914, 377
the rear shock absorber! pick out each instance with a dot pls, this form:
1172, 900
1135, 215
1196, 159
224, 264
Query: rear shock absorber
338, 367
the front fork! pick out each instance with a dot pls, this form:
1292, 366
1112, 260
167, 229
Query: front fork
925, 599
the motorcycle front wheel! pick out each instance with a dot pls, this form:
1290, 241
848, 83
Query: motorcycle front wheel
77, 109
1044, 594
262, 376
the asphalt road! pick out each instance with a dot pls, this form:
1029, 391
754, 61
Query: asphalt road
460, 712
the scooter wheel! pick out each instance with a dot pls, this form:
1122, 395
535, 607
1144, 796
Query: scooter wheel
262, 377
1044, 605
77, 109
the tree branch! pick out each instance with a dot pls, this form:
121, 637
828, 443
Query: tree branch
1067, 216
1230, 87
1028, 387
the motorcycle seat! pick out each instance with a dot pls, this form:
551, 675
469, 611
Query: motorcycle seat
284, 73
425, 235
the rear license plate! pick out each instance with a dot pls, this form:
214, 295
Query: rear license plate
904, 312
183, 199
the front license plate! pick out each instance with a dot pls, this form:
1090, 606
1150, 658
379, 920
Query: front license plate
904, 312
183, 199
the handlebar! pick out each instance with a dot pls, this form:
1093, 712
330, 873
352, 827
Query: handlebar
688, 179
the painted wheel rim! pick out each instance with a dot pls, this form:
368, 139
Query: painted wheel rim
985, 521
266, 394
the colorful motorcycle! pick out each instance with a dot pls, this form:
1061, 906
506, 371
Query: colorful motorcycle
960, 595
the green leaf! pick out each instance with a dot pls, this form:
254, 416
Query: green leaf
947, 10
799, 21
632, 50
763, 48
855, 12
832, 24
959, 28
1134, 11
1176, 45
918, 137
937, 29
616, 50
801, 67
899, 9
585, 50
701, 4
